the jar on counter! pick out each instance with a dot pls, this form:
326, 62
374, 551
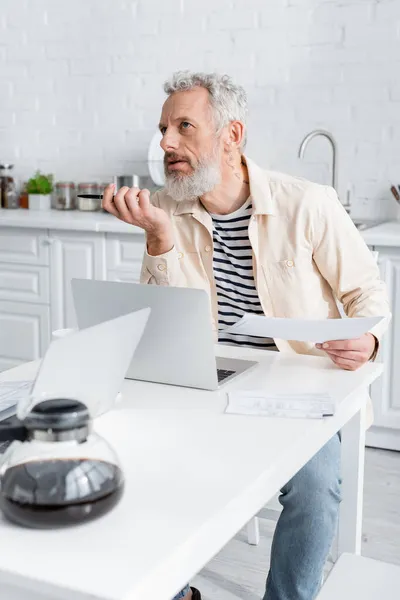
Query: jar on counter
88, 204
9, 195
65, 195
24, 196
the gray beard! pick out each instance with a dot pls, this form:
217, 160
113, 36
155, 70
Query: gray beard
204, 179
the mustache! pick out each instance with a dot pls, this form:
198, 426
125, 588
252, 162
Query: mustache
174, 157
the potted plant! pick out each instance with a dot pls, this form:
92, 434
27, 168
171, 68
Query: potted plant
39, 188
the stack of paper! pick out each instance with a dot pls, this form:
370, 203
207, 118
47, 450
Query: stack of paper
304, 330
10, 394
262, 403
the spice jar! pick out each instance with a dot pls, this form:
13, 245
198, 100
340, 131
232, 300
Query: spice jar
65, 195
88, 204
9, 196
24, 196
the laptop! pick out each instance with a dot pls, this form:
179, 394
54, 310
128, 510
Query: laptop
88, 365
178, 345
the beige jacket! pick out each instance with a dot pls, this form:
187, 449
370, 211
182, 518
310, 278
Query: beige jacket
306, 253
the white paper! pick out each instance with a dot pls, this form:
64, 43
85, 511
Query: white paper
262, 403
304, 330
11, 392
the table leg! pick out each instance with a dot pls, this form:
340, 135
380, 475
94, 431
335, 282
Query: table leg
353, 455
253, 532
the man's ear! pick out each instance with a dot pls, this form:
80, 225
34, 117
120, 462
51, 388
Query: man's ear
236, 133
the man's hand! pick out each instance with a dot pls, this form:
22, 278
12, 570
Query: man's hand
350, 354
133, 206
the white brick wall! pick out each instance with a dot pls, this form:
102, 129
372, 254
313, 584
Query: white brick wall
80, 83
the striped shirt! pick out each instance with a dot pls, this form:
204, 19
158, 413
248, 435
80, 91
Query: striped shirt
233, 274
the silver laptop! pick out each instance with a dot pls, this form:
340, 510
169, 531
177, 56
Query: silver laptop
88, 365
177, 346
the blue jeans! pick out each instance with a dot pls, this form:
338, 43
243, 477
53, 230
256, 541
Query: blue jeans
306, 528
183, 593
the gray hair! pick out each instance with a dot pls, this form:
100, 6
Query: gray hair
228, 100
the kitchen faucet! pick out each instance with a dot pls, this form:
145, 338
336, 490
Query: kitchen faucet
330, 137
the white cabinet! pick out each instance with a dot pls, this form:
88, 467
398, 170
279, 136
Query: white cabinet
123, 276
24, 283
23, 245
24, 332
385, 392
36, 268
24, 295
72, 255
124, 257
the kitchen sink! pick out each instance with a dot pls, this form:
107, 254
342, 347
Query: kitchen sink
363, 224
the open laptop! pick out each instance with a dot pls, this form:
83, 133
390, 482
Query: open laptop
177, 346
88, 365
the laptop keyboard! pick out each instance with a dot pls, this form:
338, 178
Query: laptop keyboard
223, 374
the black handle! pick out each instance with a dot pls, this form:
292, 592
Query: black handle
12, 429
95, 196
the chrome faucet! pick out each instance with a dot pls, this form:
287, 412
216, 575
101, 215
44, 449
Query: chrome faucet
330, 137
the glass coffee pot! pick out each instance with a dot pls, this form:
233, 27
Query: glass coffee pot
57, 471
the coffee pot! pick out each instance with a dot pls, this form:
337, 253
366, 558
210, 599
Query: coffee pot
56, 471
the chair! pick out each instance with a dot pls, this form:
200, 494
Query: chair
359, 578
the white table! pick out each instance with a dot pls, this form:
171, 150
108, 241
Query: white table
194, 477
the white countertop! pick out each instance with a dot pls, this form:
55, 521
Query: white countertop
386, 234
69, 220
194, 477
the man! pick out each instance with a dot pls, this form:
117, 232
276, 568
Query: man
265, 243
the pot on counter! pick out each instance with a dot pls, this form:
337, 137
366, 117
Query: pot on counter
88, 204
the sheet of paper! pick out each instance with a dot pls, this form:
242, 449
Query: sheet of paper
261, 403
304, 330
10, 394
